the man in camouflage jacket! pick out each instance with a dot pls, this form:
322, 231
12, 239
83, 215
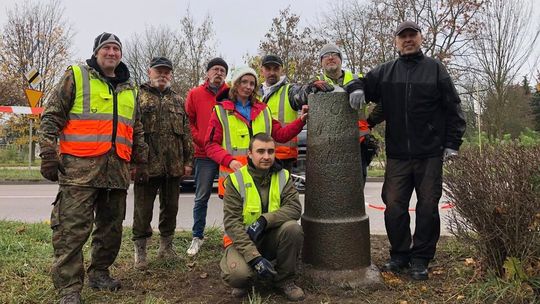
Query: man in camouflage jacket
93, 185
274, 235
167, 132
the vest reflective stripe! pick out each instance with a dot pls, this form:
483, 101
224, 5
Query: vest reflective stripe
244, 184
89, 129
94, 138
280, 107
282, 111
236, 137
348, 77
110, 117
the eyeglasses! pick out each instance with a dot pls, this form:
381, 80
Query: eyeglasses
218, 69
328, 55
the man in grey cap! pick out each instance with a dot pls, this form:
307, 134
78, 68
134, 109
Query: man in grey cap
95, 116
167, 133
282, 100
424, 127
333, 74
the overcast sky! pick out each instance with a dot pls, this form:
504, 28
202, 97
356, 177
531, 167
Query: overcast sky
239, 24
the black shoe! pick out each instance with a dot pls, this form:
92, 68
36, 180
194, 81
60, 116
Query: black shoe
101, 280
419, 271
395, 266
71, 298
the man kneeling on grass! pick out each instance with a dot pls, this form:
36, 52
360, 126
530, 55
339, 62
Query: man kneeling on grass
262, 236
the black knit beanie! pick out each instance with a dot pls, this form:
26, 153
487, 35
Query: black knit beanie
105, 38
217, 61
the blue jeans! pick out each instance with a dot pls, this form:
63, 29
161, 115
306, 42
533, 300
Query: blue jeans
205, 171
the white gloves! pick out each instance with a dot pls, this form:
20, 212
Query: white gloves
357, 99
449, 153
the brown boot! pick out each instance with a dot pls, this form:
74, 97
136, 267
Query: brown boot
140, 254
166, 250
292, 292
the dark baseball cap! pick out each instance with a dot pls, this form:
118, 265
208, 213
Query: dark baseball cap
161, 62
407, 25
271, 59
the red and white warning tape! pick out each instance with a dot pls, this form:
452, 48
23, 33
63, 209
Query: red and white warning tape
21, 110
443, 206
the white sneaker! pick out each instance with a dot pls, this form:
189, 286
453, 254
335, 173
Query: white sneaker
196, 244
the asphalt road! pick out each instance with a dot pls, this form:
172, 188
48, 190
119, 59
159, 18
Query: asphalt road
32, 203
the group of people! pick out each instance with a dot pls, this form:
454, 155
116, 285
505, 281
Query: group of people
110, 131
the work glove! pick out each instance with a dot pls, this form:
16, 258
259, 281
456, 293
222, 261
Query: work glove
355, 89
141, 174
449, 154
256, 230
263, 268
50, 165
320, 86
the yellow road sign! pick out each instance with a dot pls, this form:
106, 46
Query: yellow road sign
33, 96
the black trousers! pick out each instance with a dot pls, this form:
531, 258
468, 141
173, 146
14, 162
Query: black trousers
401, 177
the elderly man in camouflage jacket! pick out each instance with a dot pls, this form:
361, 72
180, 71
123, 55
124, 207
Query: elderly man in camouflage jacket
94, 113
167, 132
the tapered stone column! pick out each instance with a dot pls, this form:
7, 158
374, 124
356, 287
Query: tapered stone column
336, 227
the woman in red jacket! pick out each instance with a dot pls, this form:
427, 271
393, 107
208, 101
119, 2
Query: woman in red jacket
239, 116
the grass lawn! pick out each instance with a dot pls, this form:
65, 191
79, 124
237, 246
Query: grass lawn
26, 257
20, 174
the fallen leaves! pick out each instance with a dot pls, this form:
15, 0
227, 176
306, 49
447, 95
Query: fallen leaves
391, 279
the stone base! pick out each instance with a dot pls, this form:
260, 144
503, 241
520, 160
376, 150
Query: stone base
365, 278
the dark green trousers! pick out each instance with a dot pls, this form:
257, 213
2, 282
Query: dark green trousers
145, 195
76, 210
281, 245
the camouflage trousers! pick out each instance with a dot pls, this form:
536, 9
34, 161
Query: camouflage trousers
281, 245
76, 210
145, 195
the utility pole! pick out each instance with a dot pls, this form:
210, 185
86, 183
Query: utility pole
30, 145
479, 119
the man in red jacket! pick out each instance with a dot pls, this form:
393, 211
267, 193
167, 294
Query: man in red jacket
200, 103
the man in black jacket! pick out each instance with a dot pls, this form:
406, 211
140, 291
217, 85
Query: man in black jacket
424, 127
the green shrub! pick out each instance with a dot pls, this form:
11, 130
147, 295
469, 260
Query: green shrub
496, 192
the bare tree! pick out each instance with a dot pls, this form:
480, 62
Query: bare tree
365, 30
198, 41
155, 41
189, 48
503, 48
348, 25
297, 47
36, 35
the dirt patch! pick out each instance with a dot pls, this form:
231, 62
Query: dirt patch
198, 281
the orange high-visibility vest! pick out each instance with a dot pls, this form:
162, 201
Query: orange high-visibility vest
363, 129
89, 130
236, 137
